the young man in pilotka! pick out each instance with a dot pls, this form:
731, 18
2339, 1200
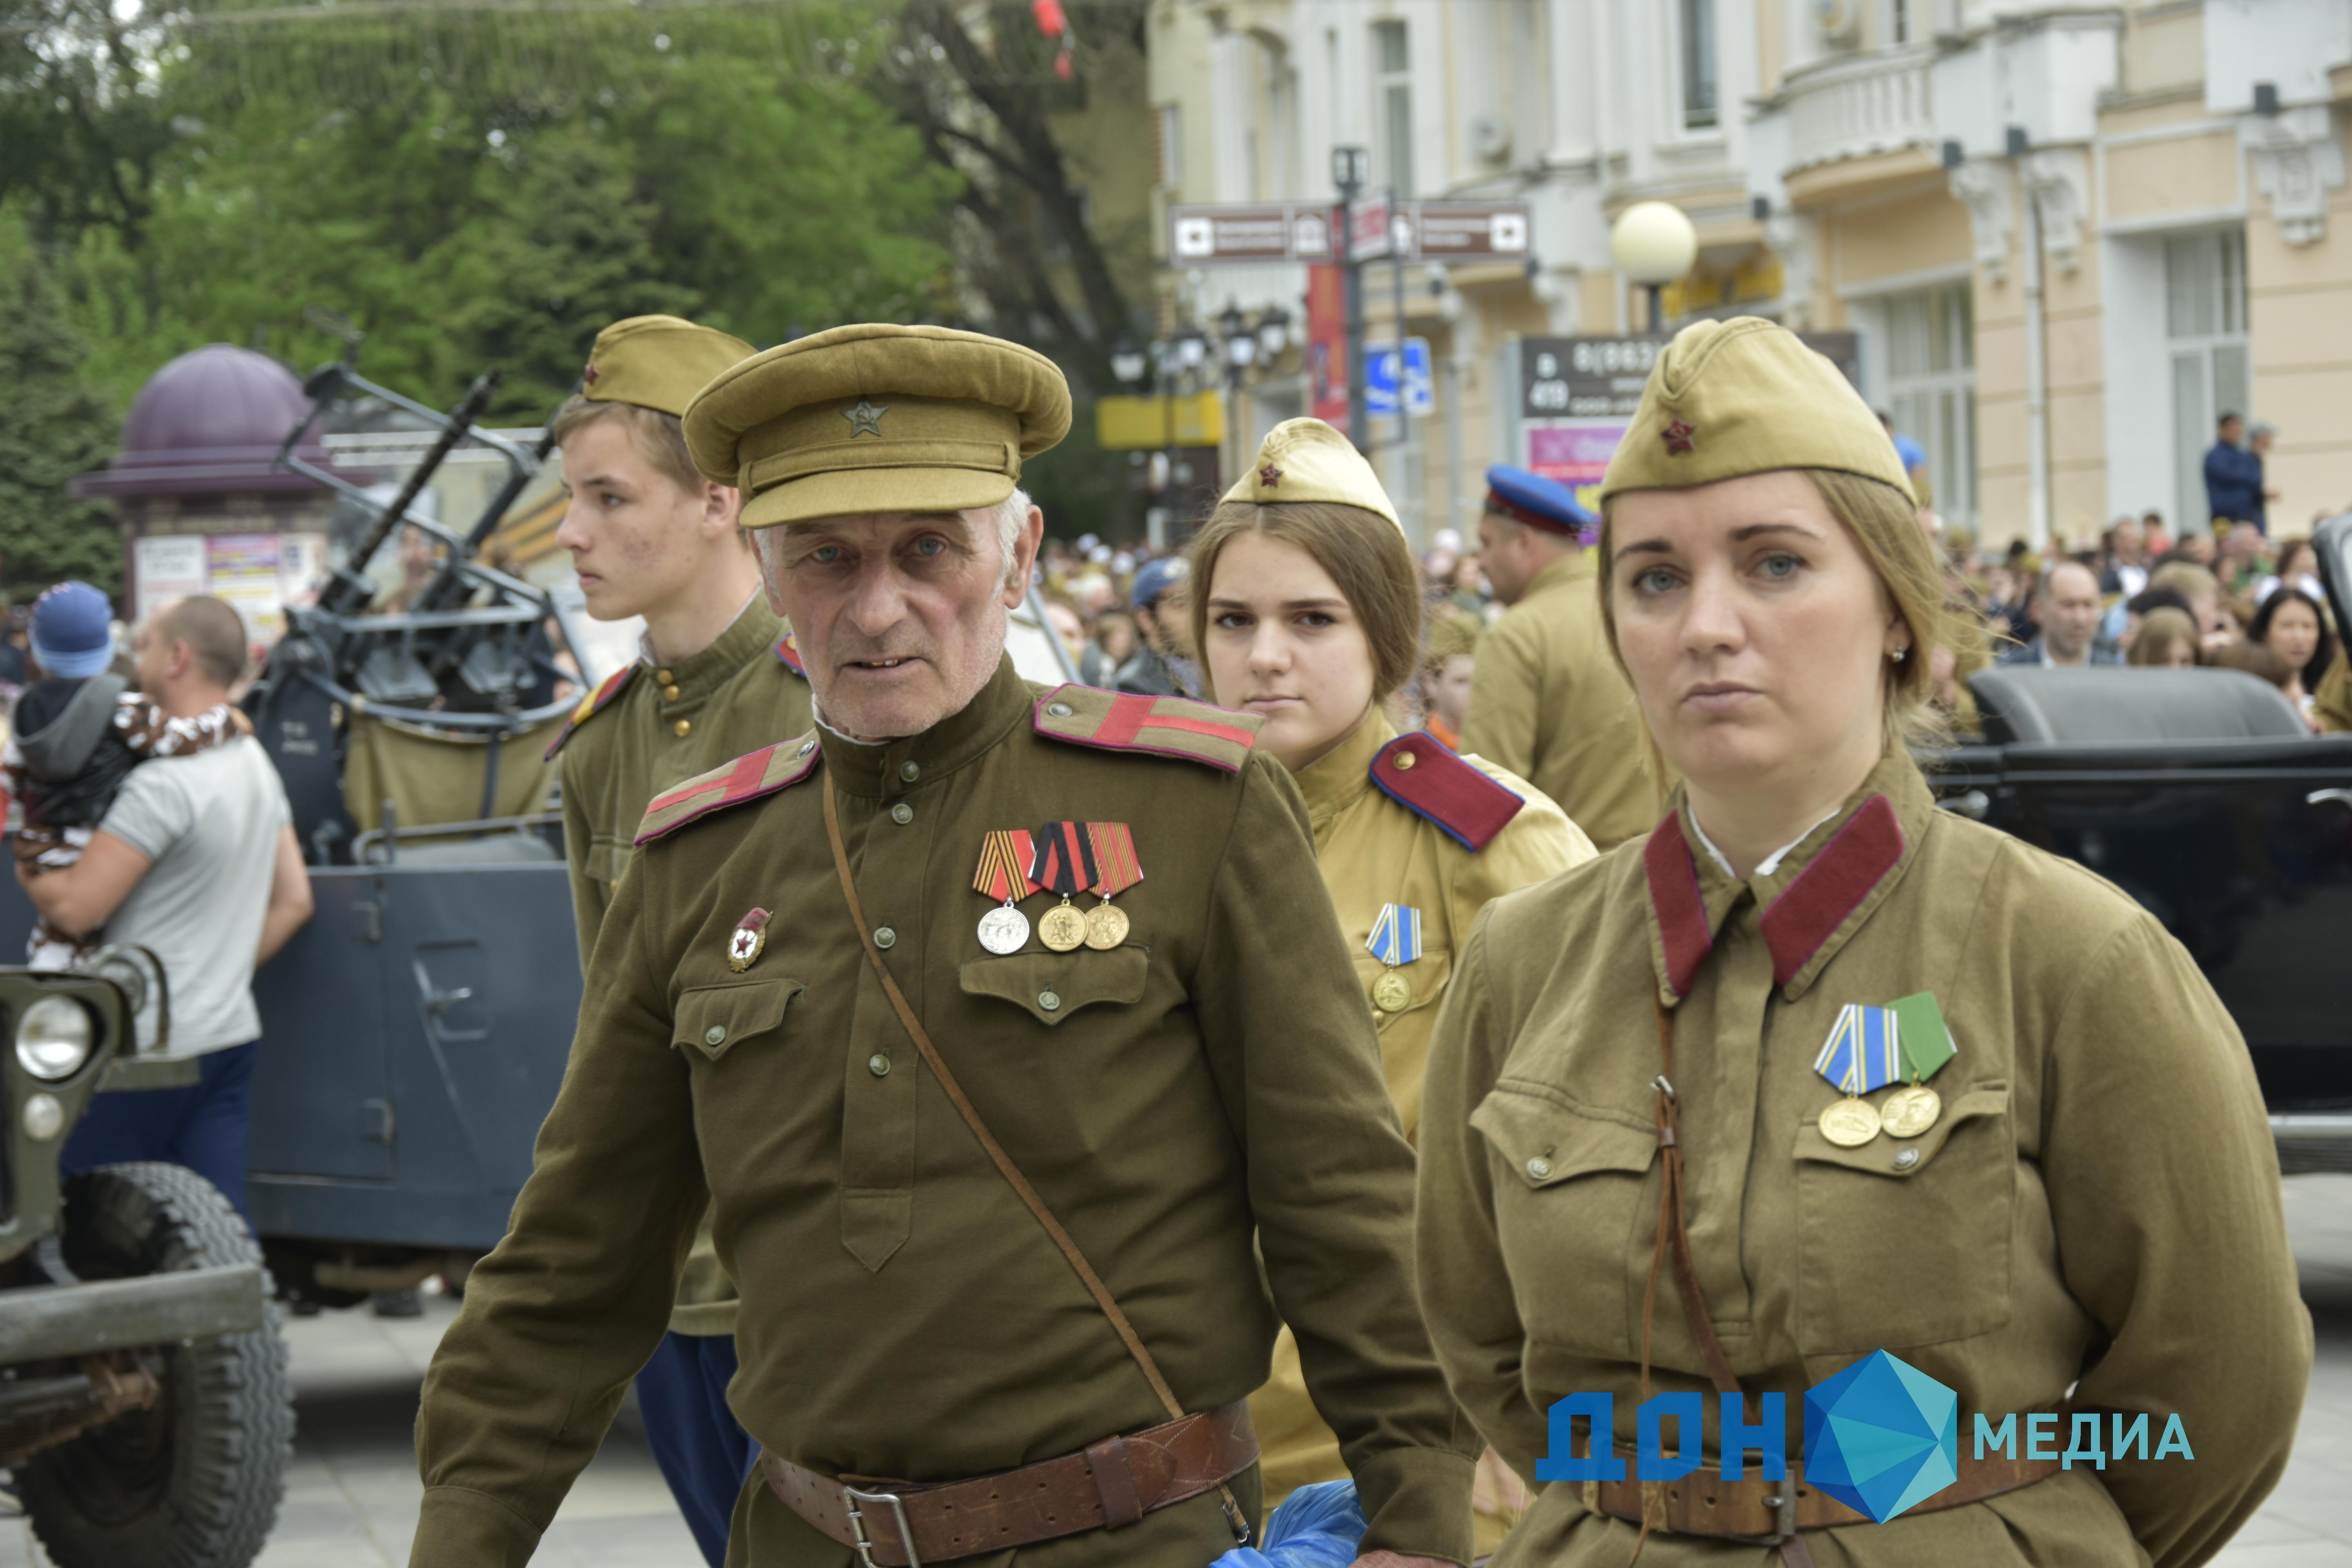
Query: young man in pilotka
651, 537
1004, 1030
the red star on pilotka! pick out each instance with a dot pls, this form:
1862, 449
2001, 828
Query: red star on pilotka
1678, 436
589, 374
1269, 476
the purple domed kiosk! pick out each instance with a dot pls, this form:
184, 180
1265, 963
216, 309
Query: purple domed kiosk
203, 509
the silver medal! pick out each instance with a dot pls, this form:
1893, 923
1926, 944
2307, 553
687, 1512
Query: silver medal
1003, 929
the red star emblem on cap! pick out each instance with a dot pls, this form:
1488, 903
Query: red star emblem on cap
1679, 436
589, 374
1269, 476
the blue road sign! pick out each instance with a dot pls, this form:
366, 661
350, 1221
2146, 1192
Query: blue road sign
1381, 379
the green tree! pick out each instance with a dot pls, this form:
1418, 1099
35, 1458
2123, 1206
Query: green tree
54, 424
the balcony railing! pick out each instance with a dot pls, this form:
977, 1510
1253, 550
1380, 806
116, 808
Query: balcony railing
1858, 105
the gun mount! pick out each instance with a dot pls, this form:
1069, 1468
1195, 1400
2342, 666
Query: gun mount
470, 659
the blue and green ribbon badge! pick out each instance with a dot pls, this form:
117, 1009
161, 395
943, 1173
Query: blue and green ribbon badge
1925, 1041
1396, 935
1904, 1042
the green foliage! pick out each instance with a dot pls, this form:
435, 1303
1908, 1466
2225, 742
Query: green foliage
54, 424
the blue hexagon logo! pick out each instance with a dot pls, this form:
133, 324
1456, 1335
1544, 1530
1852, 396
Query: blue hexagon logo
1880, 1437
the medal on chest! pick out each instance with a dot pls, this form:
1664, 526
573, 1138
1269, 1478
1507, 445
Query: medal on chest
1395, 942
1925, 1044
1004, 876
1063, 862
1862, 1058
1116, 871
746, 941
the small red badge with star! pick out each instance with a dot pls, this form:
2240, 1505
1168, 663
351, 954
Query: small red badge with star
1269, 476
1679, 436
748, 939
589, 374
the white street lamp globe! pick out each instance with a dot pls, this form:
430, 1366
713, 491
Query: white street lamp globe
1653, 243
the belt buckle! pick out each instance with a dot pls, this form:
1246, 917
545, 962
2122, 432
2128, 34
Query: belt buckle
864, 1542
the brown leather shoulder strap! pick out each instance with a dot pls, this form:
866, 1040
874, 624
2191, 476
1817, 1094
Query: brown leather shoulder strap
996, 1154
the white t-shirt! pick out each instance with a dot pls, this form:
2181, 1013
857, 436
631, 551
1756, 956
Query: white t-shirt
210, 822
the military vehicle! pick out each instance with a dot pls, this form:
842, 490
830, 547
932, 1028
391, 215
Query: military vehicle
145, 1412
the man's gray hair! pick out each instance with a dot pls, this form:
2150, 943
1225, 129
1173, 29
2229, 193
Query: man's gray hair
2042, 584
1011, 516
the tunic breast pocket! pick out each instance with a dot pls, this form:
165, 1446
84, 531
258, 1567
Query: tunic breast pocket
1568, 1209
1052, 986
606, 859
715, 1019
1907, 1243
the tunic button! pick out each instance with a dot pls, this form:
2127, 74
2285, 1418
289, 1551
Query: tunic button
715, 1035
806, 747
683, 726
1059, 711
902, 814
1539, 1168
1907, 1158
664, 676
1404, 761
879, 1065
885, 937
1049, 1000
669, 693
910, 772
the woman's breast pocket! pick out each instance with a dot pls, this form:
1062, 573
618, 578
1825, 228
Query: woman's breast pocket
1907, 1241
1571, 1206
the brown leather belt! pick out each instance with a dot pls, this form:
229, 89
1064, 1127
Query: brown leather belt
1704, 1503
1107, 1486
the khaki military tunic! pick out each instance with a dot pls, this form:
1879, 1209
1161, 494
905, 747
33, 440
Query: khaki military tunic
2099, 1200
2333, 702
1209, 1090
1549, 703
1375, 850
668, 723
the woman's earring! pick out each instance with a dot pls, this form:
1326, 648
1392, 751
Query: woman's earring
1900, 653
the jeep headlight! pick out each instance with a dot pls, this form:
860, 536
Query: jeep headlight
54, 1037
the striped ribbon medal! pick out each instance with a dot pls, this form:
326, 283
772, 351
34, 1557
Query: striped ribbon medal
1064, 863
1004, 876
1927, 1046
1116, 871
1864, 1053
1395, 942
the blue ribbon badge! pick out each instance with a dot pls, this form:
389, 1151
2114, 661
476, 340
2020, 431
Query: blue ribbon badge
1864, 1051
1395, 940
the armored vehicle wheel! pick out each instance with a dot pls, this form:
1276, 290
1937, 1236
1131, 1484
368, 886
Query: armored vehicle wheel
195, 1481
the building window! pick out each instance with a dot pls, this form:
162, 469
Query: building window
2205, 321
1898, 20
1698, 64
1170, 128
1393, 93
1931, 390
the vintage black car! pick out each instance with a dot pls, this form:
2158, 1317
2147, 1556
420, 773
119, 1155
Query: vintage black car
144, 1410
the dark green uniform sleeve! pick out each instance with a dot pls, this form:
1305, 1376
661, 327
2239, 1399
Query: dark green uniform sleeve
1330, 1176
572, 1302
1466, 1286
2164, 1189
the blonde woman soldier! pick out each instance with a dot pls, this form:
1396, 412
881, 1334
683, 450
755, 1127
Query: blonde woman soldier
1307, 612
1653, 1161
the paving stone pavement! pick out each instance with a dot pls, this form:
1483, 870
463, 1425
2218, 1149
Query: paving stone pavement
352, 1497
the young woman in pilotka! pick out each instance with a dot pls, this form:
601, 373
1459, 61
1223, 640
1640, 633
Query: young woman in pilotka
1307, 611
1817, 1070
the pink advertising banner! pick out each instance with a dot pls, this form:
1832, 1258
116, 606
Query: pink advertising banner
1576, 453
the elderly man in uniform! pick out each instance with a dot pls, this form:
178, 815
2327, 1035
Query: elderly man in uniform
1548, 702
1003, 1031
652, 538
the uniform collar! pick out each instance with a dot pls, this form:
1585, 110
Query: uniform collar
751, 635
962, 737
1814, 901
1339, 778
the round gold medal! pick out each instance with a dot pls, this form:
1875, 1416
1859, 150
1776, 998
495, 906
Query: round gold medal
1062, 928
1106, 926
1908, 1112
1849, 1123
1391, 993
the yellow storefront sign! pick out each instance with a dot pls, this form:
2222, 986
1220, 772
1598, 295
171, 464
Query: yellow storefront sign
1148, 424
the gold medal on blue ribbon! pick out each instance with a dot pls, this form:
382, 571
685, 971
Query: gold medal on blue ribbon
1395, 942
1925, 1043
1863, 1055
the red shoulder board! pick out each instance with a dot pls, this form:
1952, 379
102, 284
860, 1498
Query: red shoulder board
590, 706
788, 653
749, 777
1419, 773
1162, 726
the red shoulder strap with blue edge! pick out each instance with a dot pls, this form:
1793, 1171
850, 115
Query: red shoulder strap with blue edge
1419, 773
590, 706
788, 653
752, 776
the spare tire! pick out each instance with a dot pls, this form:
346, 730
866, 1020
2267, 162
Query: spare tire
194, 1479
